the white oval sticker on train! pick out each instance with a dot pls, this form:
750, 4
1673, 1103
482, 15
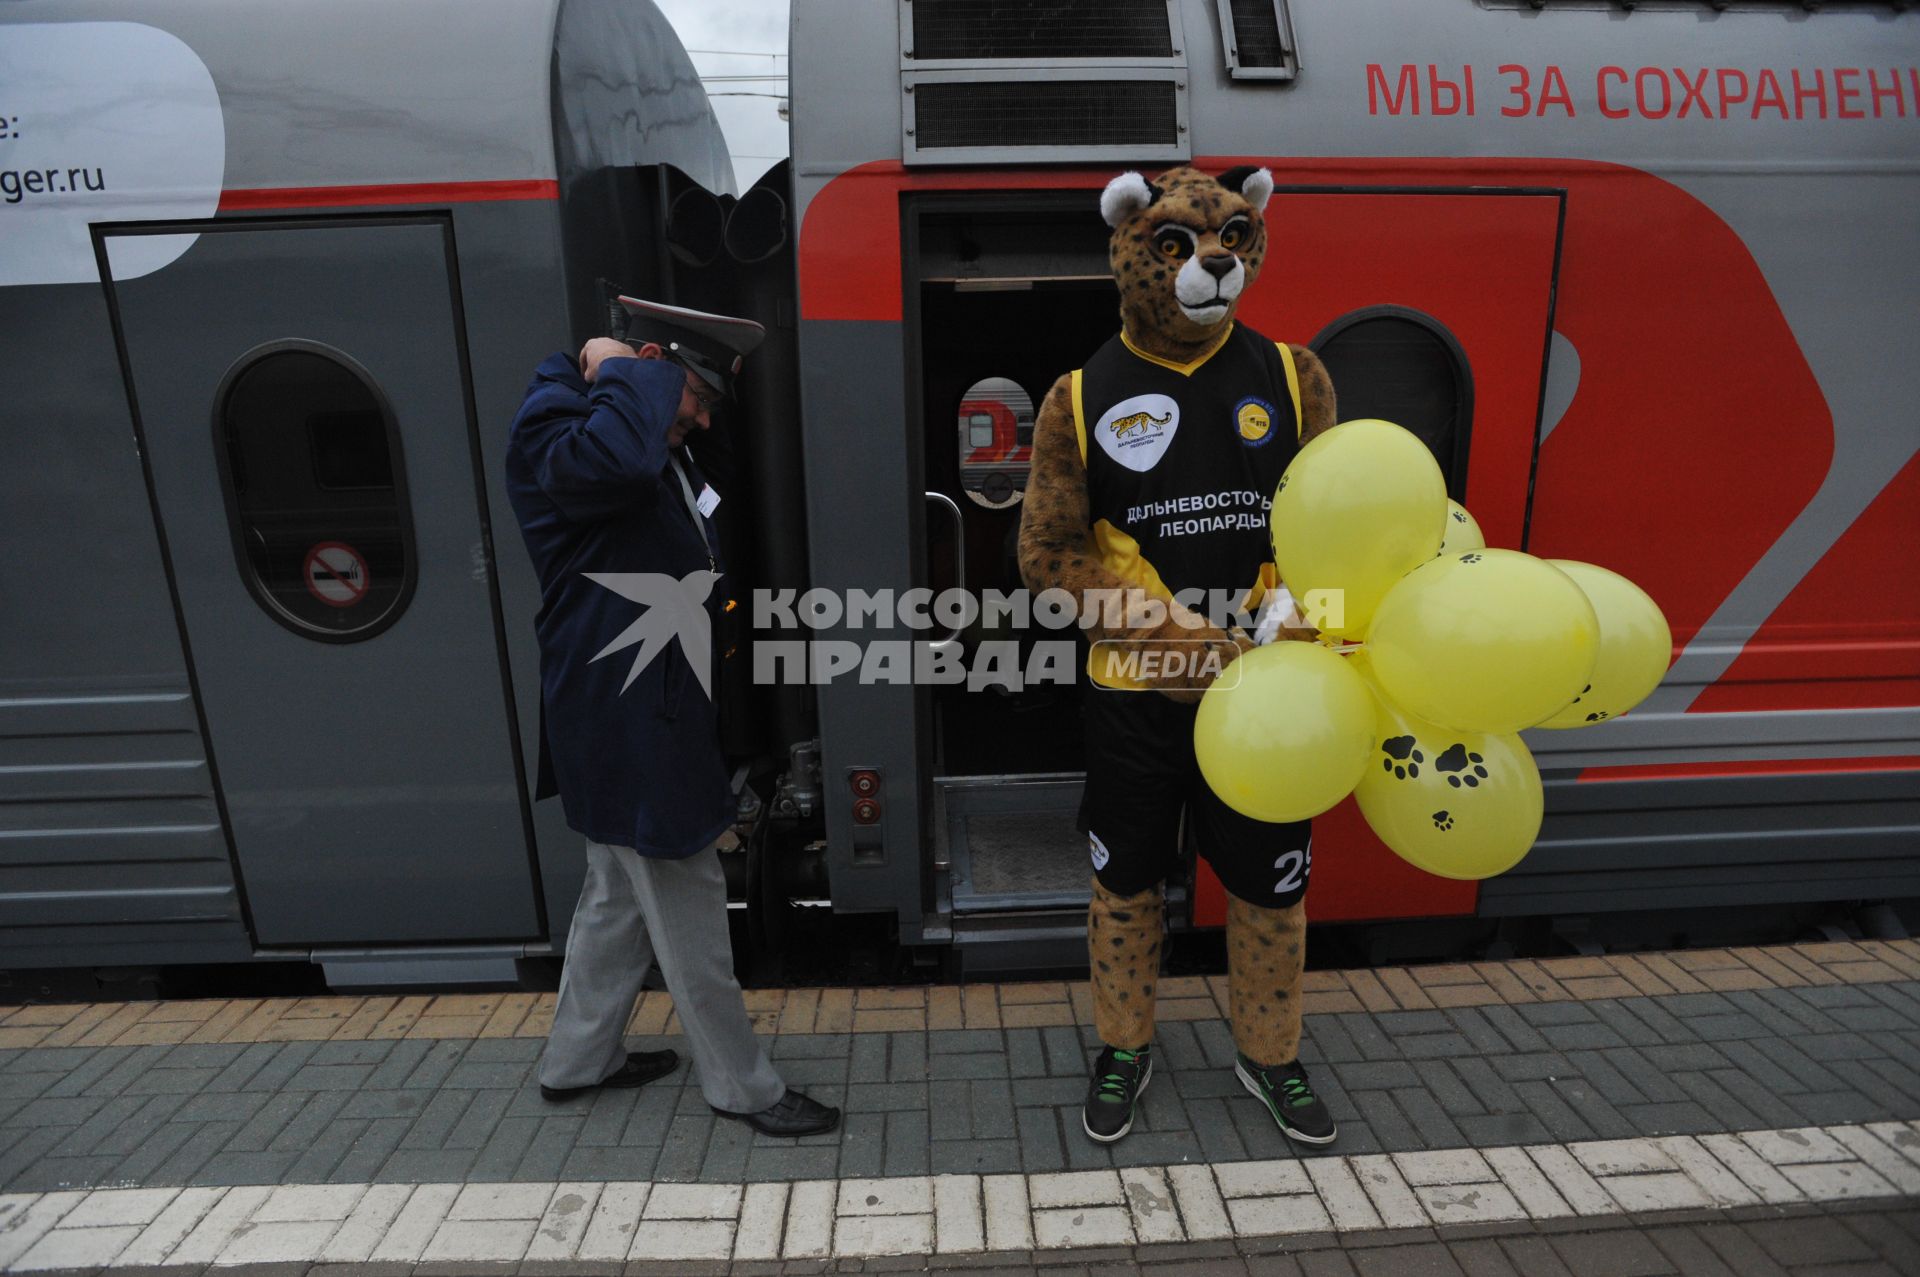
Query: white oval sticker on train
102, 122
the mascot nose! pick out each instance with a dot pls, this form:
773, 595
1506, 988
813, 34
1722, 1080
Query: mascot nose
1219, 265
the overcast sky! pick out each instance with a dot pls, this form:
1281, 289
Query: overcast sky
734, 38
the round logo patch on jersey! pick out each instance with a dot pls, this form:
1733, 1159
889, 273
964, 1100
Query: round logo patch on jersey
1136, 432
1254, 419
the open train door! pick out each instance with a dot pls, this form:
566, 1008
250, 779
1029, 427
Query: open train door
1432, 308
301, 392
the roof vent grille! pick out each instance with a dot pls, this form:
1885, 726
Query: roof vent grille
985, 30
1139, 114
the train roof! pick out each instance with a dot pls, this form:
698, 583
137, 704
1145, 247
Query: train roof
334, 93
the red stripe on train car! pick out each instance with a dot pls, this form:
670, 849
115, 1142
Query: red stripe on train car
1848, 636
1754, 767
408, 193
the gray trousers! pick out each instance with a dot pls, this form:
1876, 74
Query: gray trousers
633, 911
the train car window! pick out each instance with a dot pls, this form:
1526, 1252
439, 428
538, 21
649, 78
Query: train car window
1257, 38
311, 464
996, 441
1403, 366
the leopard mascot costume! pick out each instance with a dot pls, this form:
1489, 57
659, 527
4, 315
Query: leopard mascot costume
1153, 468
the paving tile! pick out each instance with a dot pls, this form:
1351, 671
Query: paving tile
210, 1236
1753, 1170
1265, 1216
173, 1223
1075, 1188
1499, 1129
1382, 1116
681, 1240
1528, 1183
1340, 1192
792, 1162
1492, 1091
76, 1248
1572, 1181
373, 1214
1721, 1184
1836, 1181
615, 1215
309, 1203
1040, 1142
25, 1218
1634, 1029
1429, 1118
1616, 1253
1262, 1178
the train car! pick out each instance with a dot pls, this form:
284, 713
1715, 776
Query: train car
273, 281
272, 284
1641, 277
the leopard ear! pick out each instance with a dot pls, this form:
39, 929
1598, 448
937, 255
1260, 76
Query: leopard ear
1125, 195
1257, 188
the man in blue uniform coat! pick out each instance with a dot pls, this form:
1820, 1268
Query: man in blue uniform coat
618, 522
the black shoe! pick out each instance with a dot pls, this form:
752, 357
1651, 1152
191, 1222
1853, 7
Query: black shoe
641, 1068
1284, 1089
793, 1114
1119, 1078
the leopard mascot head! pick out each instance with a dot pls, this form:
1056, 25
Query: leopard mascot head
1184, 248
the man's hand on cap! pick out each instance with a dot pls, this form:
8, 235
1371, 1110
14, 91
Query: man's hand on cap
603, 348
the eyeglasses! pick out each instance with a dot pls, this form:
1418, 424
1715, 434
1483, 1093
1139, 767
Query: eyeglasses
705, 396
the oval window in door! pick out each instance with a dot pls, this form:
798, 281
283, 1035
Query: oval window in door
1402, 365
315, 482
996, 441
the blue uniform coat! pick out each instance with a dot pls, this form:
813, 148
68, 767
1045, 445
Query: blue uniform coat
589, 476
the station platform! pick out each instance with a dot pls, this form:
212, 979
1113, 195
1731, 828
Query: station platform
1747, 1111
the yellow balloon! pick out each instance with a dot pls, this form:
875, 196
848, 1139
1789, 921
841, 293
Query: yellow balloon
1456, 804
1463, 530
1484, 641
1635, 646
1284, 732
1359, 507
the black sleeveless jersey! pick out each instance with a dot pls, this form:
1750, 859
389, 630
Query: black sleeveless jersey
1182, 461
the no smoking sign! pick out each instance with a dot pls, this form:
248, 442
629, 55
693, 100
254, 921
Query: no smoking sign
337, 574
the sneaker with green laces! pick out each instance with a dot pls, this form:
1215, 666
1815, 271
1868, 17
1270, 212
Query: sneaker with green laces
1284, 1089
1119, 1077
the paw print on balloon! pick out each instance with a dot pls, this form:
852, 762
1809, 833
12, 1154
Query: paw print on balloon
1583, 692
1443, 821
1464, 767
1402, 759
1283, 485
1472, 558
1459, 516
1598, 716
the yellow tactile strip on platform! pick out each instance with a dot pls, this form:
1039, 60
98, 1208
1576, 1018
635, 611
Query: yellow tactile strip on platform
975, 1006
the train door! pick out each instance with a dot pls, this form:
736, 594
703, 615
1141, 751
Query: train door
302, 396
1430, 308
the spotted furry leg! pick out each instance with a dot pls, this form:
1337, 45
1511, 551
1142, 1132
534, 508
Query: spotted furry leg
1123, 944
1266, 952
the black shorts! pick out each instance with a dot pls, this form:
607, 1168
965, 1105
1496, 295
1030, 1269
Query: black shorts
1141, 773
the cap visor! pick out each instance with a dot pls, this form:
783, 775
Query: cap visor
711, 377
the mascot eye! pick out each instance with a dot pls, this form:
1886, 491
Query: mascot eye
1174, 241
1236, 232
